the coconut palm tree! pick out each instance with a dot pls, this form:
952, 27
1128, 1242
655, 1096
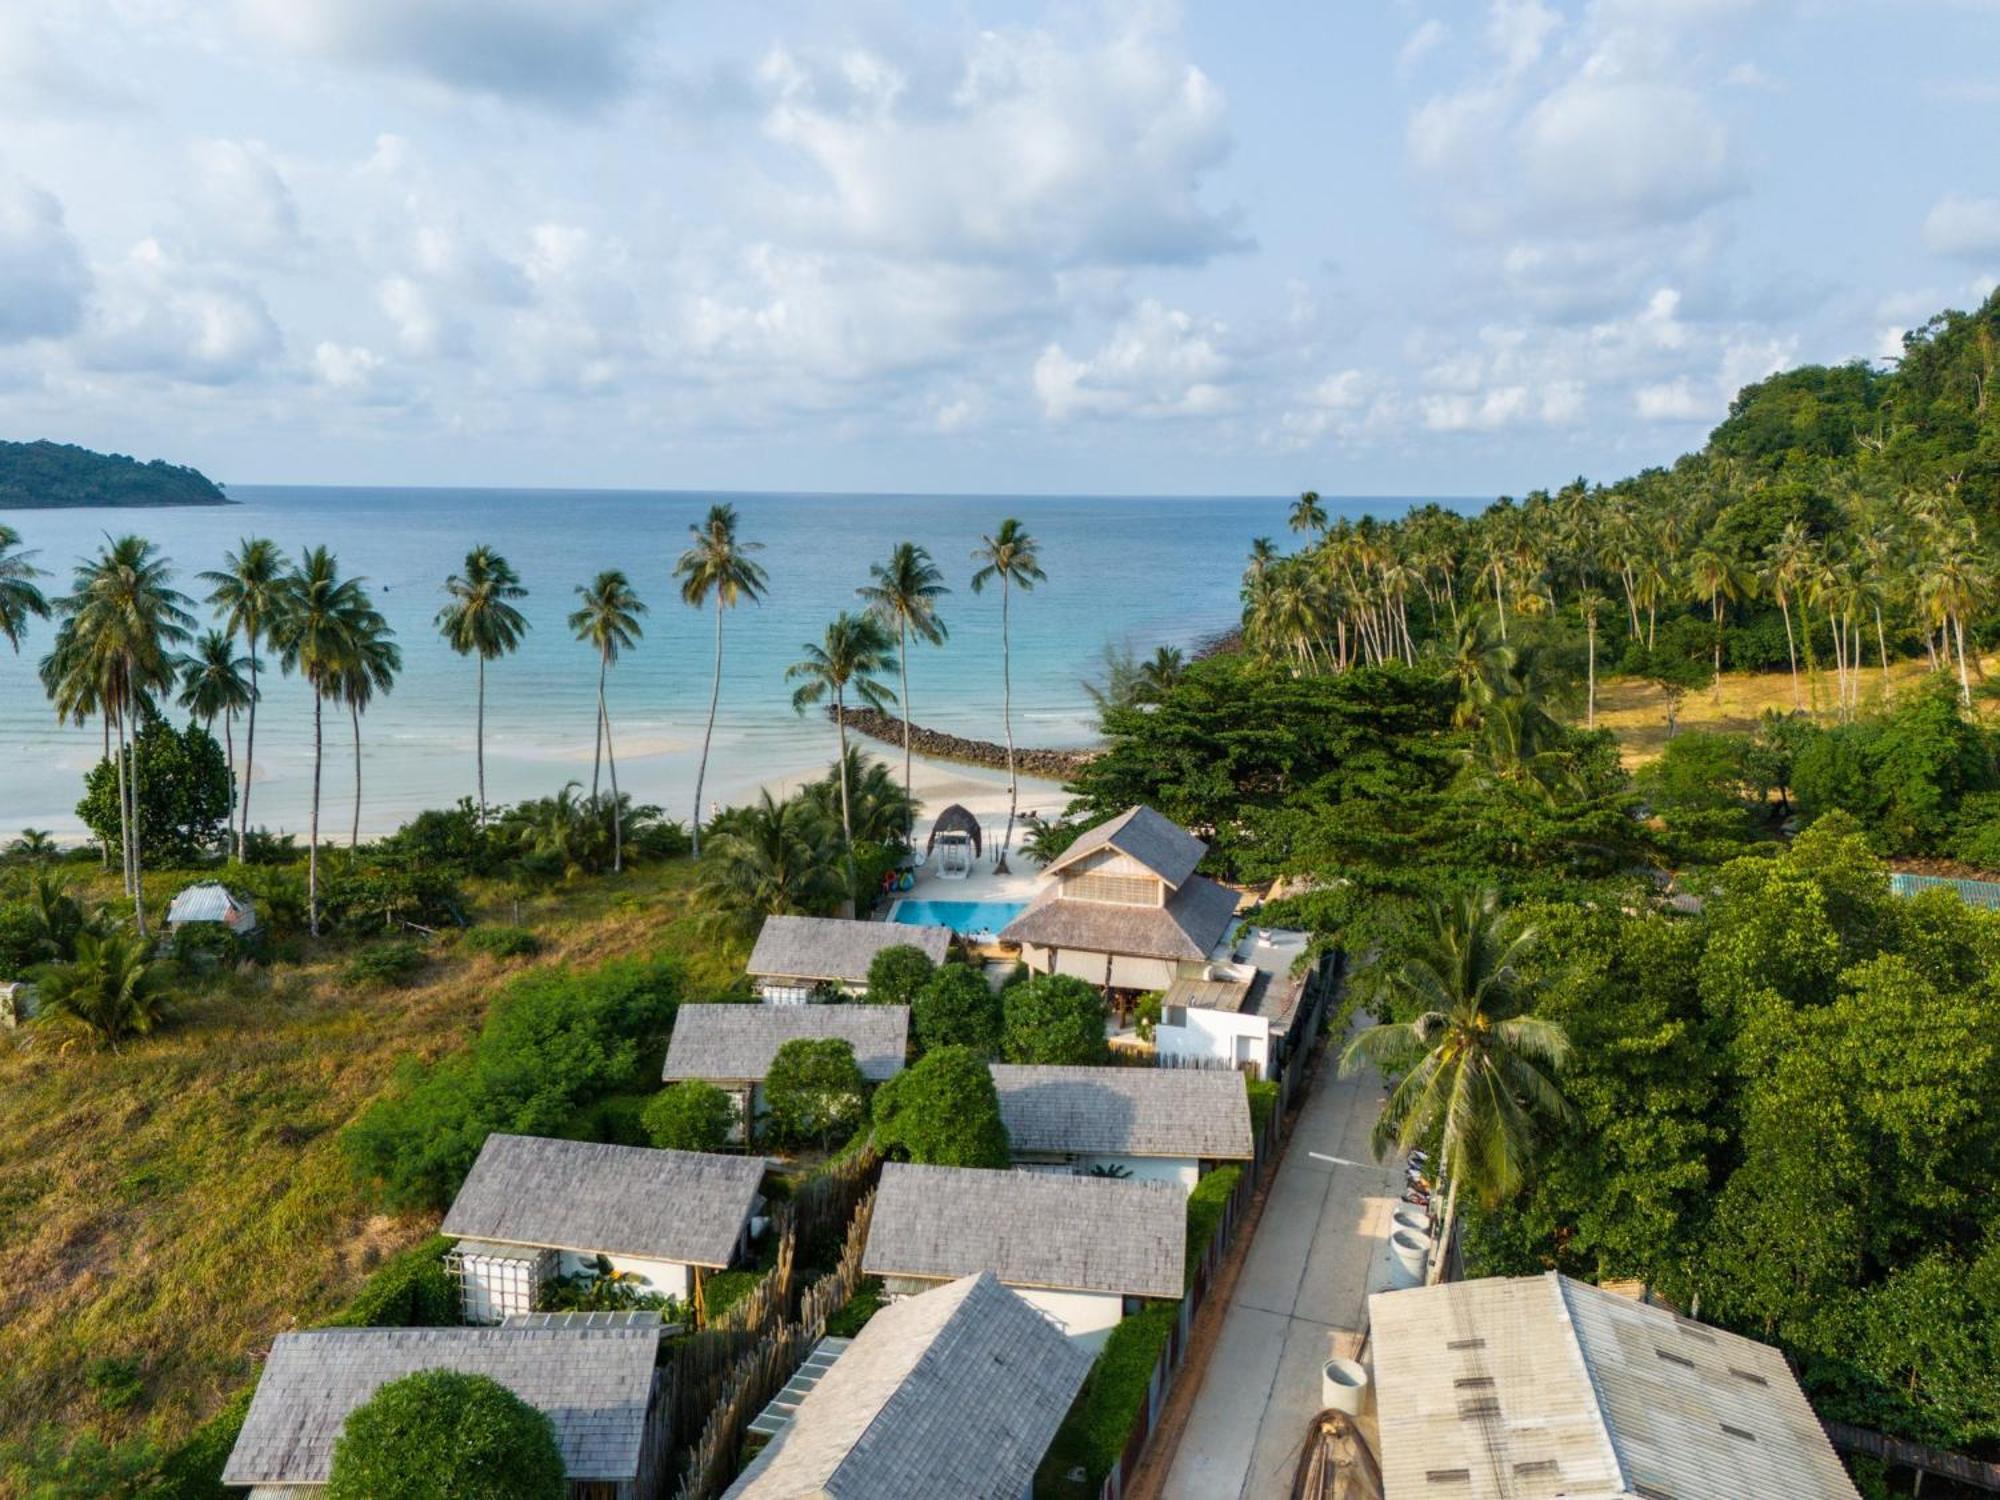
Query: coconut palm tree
213, 686
1263, 555
853, 657
881, 810
243, 593
370, 669
770, 859
1787, 565
1308, 515
481, 621
1475, 1069
1159, 674
125, 622
1008, 555
19, 598
315, 630
1713, 580
1952, 583
717, 564
608, 621
110, 987
904, 594
1590, 604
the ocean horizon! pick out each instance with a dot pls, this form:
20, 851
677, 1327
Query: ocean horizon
1130, 570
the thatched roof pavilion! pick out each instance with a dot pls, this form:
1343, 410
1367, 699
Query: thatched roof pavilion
955, 819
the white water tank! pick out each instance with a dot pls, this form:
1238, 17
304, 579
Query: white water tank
1413, 1217
1343, 1385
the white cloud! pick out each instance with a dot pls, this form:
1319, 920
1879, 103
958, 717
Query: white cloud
240, 200
1968, 228
1519, 30
1029, 147
565, 54
43, 278
1625, 153
1674, 400
1504, 406
154, 315
1426, 39
1158, 362
345, 367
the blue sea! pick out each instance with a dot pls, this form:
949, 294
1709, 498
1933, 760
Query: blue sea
1126, 570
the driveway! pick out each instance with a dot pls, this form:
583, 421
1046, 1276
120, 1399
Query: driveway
1320, 1249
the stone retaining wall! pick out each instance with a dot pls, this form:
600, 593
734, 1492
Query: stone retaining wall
1045, 765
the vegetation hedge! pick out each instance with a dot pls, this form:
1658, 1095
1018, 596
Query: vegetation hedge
1094, 1432
1204, 1212
1263, 1100
692, 1115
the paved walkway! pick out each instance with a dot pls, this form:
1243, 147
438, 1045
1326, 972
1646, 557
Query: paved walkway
1321, 1248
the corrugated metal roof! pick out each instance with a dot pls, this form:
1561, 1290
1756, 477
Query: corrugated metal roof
684, 1206
735, 1043
594, 1384
1125, 1111
835, 949
209, 902
1984, 893
953, 1395
1530, 1388
1030, 1229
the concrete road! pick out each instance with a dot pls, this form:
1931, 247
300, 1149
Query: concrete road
1320, 1249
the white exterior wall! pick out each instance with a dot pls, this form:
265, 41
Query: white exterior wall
667, 1277
1222, 1035
1087, 1318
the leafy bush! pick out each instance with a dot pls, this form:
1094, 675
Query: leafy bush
184, 793
193, 1471
409, 1290
1977, 840
552, 1042
117, 1382
20, 939
386, 964
438, 1434
1053, 1019
943, 1111
896, 974
618, 1119
449, 840
111, 988
863, 1305
725, 1289
1094, 1432
815, 1090
1263, 1099
1204, 1212
378, 898
501, 942
599, 1288
690, 1116
957, 1008
1904, 775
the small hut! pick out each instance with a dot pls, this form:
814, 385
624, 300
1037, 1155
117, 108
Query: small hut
954, 842
210, 902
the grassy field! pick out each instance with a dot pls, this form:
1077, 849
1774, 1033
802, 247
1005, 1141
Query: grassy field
179, 1203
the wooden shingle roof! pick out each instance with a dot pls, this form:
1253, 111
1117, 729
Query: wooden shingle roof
1525, 1388
1125, 1111
1194, 920
683, 1206
734, 1044
954, 1393
835, 949
1030, 1229
1155, 841
594, 1384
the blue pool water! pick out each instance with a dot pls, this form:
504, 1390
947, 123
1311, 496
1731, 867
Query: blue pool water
959, 916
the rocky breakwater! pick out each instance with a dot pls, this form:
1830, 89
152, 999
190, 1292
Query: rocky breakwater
1046, 765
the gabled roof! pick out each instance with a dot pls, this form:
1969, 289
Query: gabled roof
1157, 842
1539, 1386
954, 1393
607, 1200
1188, 927
835, 949
735, 1043
592, 1383
1125, 1111
208, 902
1030, 1229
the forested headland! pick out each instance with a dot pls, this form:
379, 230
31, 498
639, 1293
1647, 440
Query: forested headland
50, 476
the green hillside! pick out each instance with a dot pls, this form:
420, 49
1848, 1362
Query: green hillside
51, 476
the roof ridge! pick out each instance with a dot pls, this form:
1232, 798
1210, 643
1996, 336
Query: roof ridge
1605, 1427
952, 1329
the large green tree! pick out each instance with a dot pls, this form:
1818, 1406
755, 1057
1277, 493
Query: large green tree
1052, 1019
717, 565
444, 1435
943, 1111
607, 620
483, 621
184, 792
815, 1091
852, 658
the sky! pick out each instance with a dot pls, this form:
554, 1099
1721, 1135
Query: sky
1380, 247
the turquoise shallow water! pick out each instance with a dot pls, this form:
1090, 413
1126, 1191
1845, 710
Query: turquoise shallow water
1143, 571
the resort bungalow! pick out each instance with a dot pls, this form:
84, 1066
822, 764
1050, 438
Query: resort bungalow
212, 904
1167, 1124
1531, 1387
732, 1046
599, 1386
1082, 1251
533, 1209
798, 959
1239, 1008
954, 1393
1123, 908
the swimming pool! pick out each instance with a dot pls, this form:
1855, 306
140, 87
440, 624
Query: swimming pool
962, 917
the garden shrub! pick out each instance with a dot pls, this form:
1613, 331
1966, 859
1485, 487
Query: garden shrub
553, 1042
725, 1289
193, 1471
618, 1119
943, 1112
896, 974
1053, 1019
815, 1090
386, 964
1204, 1212
863, 1305
411, 1289
440, 1434
501, 941
1263, 1099
957, 1008
690, 1116
1097, 1426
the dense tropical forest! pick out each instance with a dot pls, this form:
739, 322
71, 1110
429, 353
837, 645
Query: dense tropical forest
46, 476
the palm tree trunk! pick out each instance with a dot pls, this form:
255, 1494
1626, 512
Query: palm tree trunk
1791, 651
1882, 647
354, 832
229, 750
1448, 1223
249, 755
312, 838
1007, 718
909, 785
597, 750
124, 813
1957, 627
1715, 608
846, 820
1590, 703
611, 762
714, 697
104, 845
138, 825
478, 748
1451, 598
